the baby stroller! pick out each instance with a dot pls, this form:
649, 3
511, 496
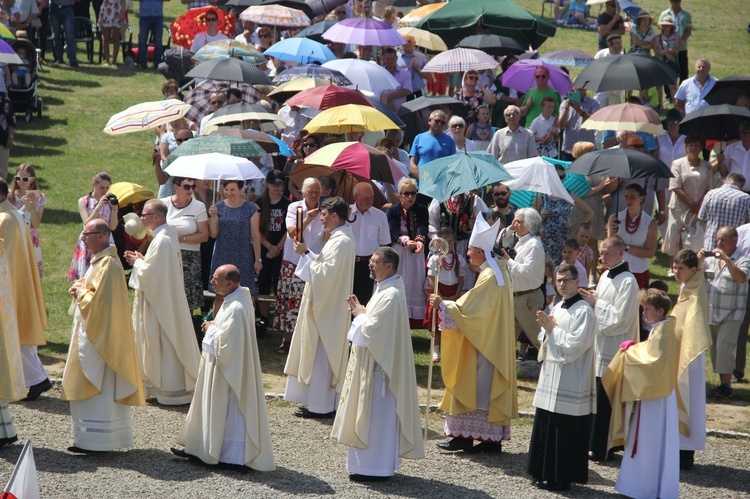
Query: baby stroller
25, 98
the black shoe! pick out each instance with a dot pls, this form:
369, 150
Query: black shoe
78, 450
356, 477
73, 64
8, 441
179, 452
722, 391
260, 329
38, 389
610, 456
304, 412
488, 447
687, 459
552, 486
456, 443
234, 467
284, 347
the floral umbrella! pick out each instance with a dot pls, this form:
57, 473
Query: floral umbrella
192, 22
224, 49
275, 15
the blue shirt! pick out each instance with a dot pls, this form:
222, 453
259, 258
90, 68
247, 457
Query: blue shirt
152, 8
649, 143
428, 147
692, 94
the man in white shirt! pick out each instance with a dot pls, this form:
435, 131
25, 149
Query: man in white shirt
370, 228
614, 47
513, 142
736, 156
690, 97
527, 272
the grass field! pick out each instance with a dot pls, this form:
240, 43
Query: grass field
68, 146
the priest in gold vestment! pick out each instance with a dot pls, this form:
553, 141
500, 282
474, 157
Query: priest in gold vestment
102, 379
478, 352
378, 414
165, 338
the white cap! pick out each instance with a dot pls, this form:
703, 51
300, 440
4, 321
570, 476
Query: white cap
483, 236
134, 226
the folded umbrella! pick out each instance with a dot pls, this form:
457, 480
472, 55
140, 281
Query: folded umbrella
229, 70
459, 173
632, 117
619, 162
214, 166
302, 50
720, 122
625, 72
364, 32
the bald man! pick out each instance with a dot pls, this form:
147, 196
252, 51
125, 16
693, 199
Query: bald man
370, 228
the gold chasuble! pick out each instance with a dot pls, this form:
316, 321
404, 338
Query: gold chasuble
691, 314
105, 310
484, 316
24, 281
645, 371
12, 383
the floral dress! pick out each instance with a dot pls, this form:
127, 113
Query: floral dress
81, 256
472, 102
40, 201
234, 244
555, 226
112, 14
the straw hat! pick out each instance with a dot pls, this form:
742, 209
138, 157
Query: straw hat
134, 226
644, 14
667, 21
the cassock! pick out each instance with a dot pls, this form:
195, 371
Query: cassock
478, 359
691, 314
26, 288
12, 385
378, 414
565, 396
618, 321
640, 383
102, 378
316, 364
228, 421
165, 339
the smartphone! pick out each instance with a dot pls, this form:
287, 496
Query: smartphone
574, 96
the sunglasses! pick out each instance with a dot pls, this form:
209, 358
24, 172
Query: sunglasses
439, 122
409, 193
510, 115
218, 102
340, 12
502, 193
143, 215
309, 144
540, 77
457, 125
23, 179
212, 20
87, 234
472, 78
180, 141
188, 187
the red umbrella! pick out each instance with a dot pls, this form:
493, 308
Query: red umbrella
357, 158
321, 98
192, 22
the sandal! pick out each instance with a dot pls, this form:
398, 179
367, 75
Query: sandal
284, 348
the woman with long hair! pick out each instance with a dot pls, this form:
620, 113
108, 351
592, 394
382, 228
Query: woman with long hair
26, 196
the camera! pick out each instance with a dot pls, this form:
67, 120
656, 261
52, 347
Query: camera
112, 199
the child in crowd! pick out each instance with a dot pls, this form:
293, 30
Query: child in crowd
586, 255
545, 129
480, 132
577, 15
550, 292
450, 281
570, 251
20, 76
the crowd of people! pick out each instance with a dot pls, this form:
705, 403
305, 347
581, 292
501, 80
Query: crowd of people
517, 285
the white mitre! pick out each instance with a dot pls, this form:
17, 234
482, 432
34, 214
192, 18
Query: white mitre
483, 236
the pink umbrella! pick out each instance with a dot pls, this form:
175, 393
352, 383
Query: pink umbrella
520, 76
364, 32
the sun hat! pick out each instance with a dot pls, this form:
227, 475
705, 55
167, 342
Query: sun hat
134, 226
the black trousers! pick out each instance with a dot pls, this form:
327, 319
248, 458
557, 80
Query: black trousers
363, 285
682, 59
600, 425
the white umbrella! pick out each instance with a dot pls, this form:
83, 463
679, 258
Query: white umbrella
365, 75
214, 166
536, 175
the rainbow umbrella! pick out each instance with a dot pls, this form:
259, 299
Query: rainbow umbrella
6, 33
146, 116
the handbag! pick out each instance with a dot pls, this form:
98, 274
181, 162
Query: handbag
692, 232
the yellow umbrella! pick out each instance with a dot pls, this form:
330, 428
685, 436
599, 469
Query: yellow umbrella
420, 13
6, 33
424, 39
130, 193
350, 118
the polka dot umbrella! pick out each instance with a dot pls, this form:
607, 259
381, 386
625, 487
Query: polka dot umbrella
192, 22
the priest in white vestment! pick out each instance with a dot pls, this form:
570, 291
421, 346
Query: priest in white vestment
378, 414
165, 338
227, 424
640, 382
102, 379
26, 287
615, 304
317, 360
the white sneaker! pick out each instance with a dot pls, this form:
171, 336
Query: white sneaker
436, 353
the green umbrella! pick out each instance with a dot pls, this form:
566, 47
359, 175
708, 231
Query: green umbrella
460, 18
450, 176
224, 144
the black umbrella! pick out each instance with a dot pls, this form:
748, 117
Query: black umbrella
243, 3
619, 162
625, 72
230, 70
728, 90
715, 122
493, 44
431, 103
315, 32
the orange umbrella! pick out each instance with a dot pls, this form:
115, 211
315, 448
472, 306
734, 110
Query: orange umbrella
419, 13
192, 22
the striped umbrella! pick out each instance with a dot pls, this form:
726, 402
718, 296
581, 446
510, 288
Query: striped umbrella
632, 117
275, 15
460, 59
419, 13
146, 116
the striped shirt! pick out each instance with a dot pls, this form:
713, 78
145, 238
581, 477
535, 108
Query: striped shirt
727, 205
726, 297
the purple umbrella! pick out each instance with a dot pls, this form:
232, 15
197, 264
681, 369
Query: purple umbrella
520, 76
364, 32
8, 55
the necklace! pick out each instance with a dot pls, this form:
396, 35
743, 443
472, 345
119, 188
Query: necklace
449, 266
632, 224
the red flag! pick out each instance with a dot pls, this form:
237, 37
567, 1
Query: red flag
23, 483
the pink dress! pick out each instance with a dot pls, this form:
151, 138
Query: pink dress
40, 201
81, 256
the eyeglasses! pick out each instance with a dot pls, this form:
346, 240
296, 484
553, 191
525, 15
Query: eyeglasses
501, 193
457, 125
540, 77
87, 234
143, 215
437, 121
409, 193
212, 20
218, 102
23, 179
180, 141
565, 279
188, 187
510, 115
309, 144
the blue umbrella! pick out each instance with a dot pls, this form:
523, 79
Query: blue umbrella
574, 183
284, 150
302, 50
450, 176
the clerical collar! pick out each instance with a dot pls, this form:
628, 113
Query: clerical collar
236, 291
614, 272
567, 303
385, 281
